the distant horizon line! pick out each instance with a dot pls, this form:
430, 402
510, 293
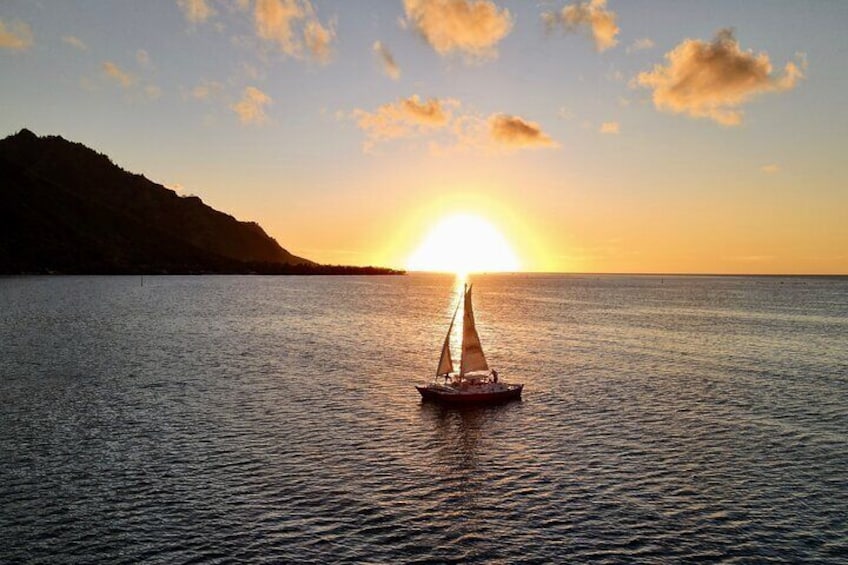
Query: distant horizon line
401, 272
635, 274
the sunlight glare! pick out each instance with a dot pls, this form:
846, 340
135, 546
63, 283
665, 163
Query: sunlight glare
464, 243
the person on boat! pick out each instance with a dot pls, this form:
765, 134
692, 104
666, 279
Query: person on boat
494, 375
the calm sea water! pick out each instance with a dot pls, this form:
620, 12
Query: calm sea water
254, 419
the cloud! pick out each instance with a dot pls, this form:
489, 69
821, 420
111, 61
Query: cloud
711, 80
429, 113
770, 169
114, 72
495, 134
142, 57
592, 16
196, 11
293, 26
205, 90
449, 128
274, 20
565, 113
404, 118
516, 132
614, 75
251, 108
610, 127
75, 42
472, 27
138, 89
640, 45
318, 40
18, 36
387, 61
152, 91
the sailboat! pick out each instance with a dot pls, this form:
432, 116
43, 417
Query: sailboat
475, 383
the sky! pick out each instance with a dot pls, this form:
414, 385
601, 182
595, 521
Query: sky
587, 136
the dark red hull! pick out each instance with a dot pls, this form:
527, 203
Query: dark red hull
512, 393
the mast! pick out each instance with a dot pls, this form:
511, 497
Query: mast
445, 362
472, 351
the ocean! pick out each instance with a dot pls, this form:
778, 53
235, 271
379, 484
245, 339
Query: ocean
227, 419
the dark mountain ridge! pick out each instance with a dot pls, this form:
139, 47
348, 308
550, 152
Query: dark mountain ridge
68, 209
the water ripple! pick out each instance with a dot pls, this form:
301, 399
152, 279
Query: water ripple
253, 419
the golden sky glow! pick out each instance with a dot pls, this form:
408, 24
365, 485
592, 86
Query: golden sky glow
590, 135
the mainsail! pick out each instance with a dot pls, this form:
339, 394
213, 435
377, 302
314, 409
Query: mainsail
472, 352
445, 363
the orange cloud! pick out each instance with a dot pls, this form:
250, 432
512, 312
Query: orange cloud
274, 21
387, 61
251, 108
431, 113
405, 118
473, 27
205, 90
18, 36
114, 72
196, 11
516, 132
318, 40
610, 127
711, 80
592, 15
450, 130
293, 26
75, 42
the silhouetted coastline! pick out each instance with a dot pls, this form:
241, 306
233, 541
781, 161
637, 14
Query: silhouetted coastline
67, 209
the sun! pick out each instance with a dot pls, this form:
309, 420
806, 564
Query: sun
464, 243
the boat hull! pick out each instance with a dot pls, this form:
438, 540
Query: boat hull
451, 396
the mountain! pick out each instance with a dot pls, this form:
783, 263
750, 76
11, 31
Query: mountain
66, 208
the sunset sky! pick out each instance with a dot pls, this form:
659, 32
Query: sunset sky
617, 136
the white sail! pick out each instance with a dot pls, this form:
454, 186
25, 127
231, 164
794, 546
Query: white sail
445, 362
472, 352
